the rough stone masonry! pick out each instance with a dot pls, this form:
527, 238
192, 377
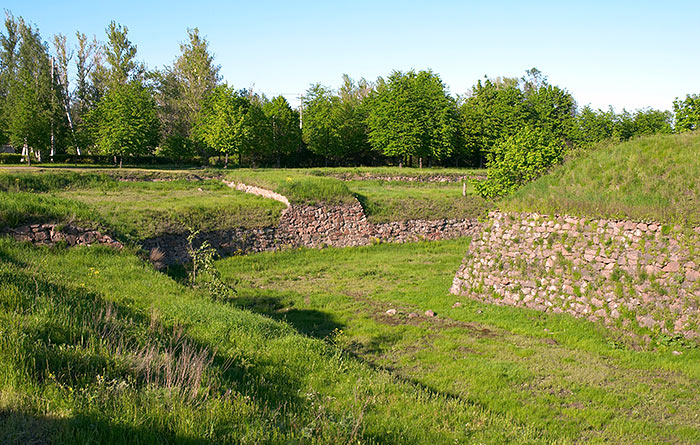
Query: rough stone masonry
618, 272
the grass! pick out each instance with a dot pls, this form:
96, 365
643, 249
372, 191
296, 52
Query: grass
96, 346
651, 178
297, 185
143, 206
146, 209
566, 379
385, 201
350, 172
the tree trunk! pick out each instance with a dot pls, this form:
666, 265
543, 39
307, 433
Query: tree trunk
410, 161
226, 162
420, 162
240, 160
25, 151
121, 160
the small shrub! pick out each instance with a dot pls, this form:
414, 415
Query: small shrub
202, 271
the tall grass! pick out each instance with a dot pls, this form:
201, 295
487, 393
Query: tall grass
97, 347
651, 178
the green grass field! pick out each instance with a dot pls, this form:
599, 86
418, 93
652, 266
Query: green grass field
652, 178
132, 204
567, 379
386, 201
97, 346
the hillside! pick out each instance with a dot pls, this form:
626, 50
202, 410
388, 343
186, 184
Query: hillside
654, 178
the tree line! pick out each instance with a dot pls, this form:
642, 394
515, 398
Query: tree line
96, 97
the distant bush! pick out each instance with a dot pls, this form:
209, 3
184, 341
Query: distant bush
11, 158
519, 159
133, 160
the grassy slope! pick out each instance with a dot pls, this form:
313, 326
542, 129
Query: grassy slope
653, 178
393, 200
382, 200
89, 336
346, 172
135, 209
565, 378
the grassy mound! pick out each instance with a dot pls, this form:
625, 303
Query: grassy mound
385, 201
299, 186
653, 178
135, 205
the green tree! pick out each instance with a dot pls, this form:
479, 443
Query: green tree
180, 92
286, 133
319, 127
412, 115
125, 122
351, 115
120, 55
230, 124
518, 159
495, 109
594, 125
32, 103
649, 121
687, 113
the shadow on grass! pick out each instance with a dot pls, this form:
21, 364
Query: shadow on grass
18, 427
280, 306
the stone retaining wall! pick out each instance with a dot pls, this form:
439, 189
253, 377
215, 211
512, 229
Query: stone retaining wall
445, 177
49, 234
311, 226
619, 272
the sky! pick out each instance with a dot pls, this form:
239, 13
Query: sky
628, 54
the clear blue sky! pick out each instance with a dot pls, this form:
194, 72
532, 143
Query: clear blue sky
629, 54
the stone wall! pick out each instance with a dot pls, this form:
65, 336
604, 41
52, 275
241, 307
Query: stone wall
439, 177
619, 272
49, 234
311, 226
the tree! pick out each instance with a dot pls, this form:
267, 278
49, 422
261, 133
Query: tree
125, 122
32, 103
89, 87
687, 113
412, 115
180, 92
196, 74
9, 43
230, 124
120, 54
286, 133
63, 57
351, 116
495, 109
594, 126
649, 121
319, 127
518, 159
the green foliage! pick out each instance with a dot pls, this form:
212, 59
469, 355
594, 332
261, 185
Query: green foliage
120, 54
411, 114
203, 273
687, 113
30, 101
125, 121
320, 122
230, 123
519, 159
286, 134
